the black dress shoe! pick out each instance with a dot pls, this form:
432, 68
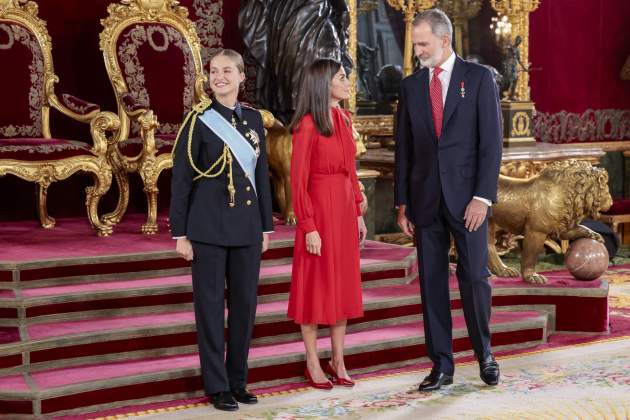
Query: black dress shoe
489, 370
223, 401
435, 381
243, 396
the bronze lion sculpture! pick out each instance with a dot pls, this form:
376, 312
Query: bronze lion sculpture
548, 205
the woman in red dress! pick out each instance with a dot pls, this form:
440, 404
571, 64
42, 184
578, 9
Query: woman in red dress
326, 278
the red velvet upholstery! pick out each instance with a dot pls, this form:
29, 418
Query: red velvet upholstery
159, 70
21, 82
620, 206
78, 105
131, 103
163, 142
39, 149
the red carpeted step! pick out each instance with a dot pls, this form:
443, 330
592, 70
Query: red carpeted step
115, 336
58, 329
71, 388
26, 242
71, 252
379, 262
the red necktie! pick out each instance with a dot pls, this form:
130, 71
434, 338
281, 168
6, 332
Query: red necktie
437, 108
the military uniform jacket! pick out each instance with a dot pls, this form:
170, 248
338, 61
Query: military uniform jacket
200, 209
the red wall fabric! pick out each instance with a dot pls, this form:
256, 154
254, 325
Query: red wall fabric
580, 46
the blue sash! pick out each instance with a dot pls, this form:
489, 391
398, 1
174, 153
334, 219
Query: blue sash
241, 149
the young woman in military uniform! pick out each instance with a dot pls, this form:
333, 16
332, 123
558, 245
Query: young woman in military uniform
221, 217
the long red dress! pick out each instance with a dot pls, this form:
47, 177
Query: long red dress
326, 198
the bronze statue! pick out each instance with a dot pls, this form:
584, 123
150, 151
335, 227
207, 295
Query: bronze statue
279, 149
285, 37
548, 205
365, 58
512, 66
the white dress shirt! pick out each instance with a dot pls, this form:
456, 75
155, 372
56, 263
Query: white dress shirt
445, 79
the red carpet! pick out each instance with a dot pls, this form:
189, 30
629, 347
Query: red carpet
109, 323
73, 237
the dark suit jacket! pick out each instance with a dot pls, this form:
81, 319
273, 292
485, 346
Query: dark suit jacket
200, 209
465, 161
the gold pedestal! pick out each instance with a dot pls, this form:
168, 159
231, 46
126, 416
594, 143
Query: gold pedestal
517, 123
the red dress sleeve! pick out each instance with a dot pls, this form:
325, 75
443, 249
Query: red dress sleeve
304, 137
352, 170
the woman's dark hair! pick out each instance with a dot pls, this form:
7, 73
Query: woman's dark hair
314, 95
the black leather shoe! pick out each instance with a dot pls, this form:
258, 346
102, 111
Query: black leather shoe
489, 370
435, 381
243, 396
223, 401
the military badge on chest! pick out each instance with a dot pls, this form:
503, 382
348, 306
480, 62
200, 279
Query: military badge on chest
251, 135
253, 138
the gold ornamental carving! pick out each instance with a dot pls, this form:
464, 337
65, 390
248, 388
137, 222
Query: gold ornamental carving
547, 206
518, 12
352, 47
520, 124
409, 8
523, 168
44, 173
374, 125
148, 163
130, 12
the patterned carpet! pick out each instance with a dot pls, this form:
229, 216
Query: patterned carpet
586, 381
581, 381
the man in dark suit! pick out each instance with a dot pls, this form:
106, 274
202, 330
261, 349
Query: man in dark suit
221, 217
448, 154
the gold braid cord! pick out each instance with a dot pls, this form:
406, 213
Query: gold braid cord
224, 160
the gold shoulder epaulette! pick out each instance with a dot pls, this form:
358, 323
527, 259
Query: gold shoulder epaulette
222, 164
197, 109
202, 105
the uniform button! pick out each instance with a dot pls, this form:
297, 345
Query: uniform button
244, 122
248, 188
249, 202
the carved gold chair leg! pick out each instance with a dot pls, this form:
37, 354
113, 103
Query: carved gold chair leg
102, 182
150, 227
122, 181
150, 171
150, 189
45, 220
105, 122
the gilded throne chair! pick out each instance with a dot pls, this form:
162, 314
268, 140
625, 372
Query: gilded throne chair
27, 148
152, 55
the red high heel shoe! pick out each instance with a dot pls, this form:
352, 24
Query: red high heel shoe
336, 379
318, 385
